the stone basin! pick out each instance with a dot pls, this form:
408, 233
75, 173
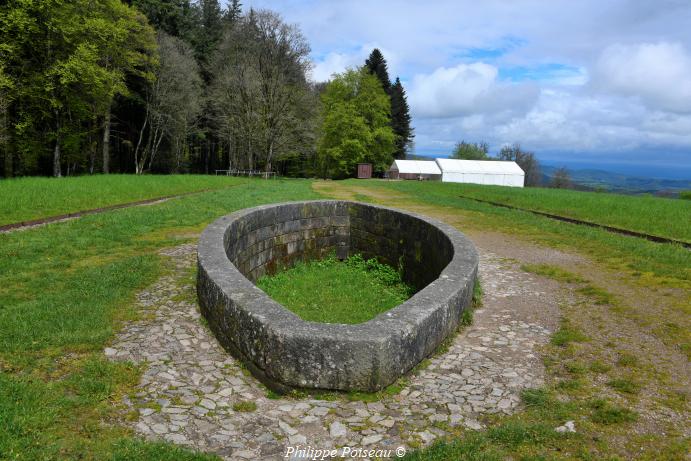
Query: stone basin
286, 352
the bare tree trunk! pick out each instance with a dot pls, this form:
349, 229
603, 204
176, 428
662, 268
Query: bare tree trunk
57, 172
249, 154
4, 144
206, 156
158, 137
9, 167
231, 152
139, 142
92, 159
269, 157
106, 142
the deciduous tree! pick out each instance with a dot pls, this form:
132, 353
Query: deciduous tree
357, 125
173, 103
470, 151
561, 179
5, 91
262, 99
526, 160
68, 60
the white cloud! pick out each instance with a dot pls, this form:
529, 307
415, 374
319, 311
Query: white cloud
469, 90
658, 73
572, 88
451, 91
336, 62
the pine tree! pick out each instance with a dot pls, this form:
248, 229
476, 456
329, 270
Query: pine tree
234, 11
400, 112
376, 64
400, 119
209, 31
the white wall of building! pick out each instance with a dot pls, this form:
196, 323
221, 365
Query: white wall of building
487, 172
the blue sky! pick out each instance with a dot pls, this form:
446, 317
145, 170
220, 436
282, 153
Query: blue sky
581, 83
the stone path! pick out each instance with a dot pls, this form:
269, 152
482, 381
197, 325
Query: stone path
191, 384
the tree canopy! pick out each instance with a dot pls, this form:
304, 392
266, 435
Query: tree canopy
356, 126
67, 60
526, 160
183, 86
471, 151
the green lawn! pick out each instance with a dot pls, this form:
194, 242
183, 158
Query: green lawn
664, 217
25, 199
331, 291
64, 289
628, 253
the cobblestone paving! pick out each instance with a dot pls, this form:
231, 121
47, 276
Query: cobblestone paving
191, 384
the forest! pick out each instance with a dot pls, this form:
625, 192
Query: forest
180, 86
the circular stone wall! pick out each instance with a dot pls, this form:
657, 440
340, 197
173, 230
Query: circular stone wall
287, 352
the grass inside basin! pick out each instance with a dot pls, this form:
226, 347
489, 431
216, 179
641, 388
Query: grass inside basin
331, 291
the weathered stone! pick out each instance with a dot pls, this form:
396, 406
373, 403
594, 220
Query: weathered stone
569, 426
337, 430
286, 352
370, 439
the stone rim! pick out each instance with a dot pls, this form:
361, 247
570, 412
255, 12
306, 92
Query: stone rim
379, 341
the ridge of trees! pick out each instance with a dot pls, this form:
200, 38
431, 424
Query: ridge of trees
526, 160
152, 86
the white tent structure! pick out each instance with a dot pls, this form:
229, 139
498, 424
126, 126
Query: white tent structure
414, 169
488, 172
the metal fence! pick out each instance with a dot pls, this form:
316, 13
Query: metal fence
259, 173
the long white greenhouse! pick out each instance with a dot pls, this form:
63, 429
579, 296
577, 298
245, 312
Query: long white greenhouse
488, 172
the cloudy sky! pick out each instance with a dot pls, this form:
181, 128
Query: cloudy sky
582, 83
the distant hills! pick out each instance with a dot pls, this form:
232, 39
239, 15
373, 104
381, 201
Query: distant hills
593, 179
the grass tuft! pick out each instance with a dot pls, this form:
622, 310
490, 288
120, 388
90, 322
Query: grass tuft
599, 296
553, 272
567, 334
245, 406
606, 413
627, 360
624, 385
598, 366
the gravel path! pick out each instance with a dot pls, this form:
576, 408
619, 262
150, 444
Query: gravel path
190, 385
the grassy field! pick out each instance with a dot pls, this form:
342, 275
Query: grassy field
323, 291
26, 199
619, 354
671, 263
64, 289
646, 264
652, 215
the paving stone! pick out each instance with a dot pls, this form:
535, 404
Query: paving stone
196, 385
337, 429
370, 439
